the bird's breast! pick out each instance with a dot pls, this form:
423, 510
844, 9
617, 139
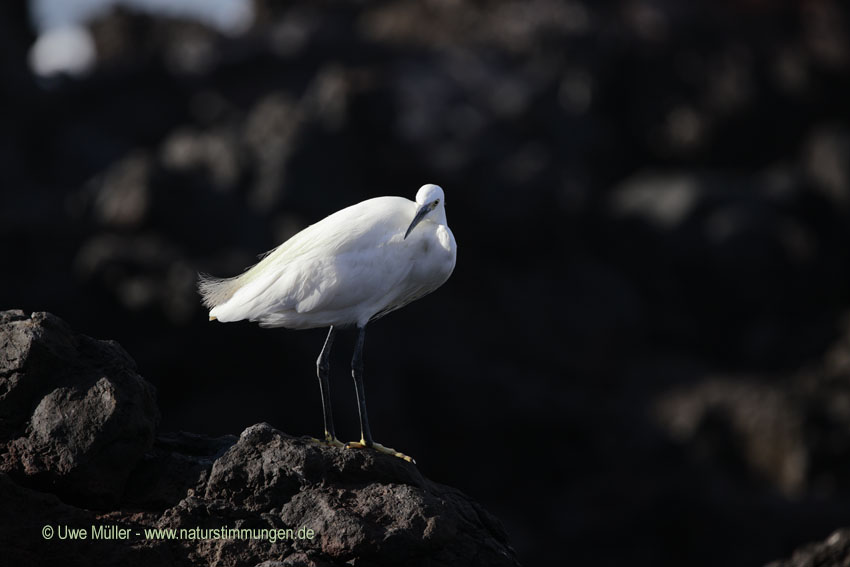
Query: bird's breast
435, 257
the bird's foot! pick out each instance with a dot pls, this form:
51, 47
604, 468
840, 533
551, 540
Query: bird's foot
329, 440
380, 448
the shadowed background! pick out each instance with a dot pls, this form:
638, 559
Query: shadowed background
643, 356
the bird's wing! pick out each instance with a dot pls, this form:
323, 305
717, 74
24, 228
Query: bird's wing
355, 278
348, 261
353, 261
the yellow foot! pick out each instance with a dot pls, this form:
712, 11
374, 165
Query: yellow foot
378, 447
328, 440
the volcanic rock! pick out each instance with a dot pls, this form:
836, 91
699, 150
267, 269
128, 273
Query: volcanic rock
78, 453
75, 416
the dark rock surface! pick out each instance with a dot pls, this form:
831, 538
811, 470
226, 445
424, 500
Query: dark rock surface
79, 452
362, 506
76, 416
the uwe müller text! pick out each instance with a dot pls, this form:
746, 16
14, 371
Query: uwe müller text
105, 532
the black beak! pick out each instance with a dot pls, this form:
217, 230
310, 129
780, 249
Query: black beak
420, 214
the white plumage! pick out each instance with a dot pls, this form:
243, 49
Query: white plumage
343, 270
353, 266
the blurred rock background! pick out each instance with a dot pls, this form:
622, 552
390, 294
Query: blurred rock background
643, 356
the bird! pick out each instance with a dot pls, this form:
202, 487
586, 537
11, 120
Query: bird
347, 270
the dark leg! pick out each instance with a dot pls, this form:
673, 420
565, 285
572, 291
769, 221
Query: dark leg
322, 369
357, 373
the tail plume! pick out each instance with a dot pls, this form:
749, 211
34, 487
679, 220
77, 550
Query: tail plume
216, 291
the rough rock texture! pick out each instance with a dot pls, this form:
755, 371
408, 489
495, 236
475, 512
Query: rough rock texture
79, 452
76, 416
834, 551
361, 505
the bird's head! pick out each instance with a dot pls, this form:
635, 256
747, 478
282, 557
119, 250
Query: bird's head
430, 201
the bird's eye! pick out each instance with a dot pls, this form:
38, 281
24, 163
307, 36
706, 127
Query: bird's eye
436, 202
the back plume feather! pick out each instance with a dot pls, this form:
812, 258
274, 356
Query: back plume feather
216, 291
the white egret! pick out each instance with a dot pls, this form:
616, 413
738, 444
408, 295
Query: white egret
350, 268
